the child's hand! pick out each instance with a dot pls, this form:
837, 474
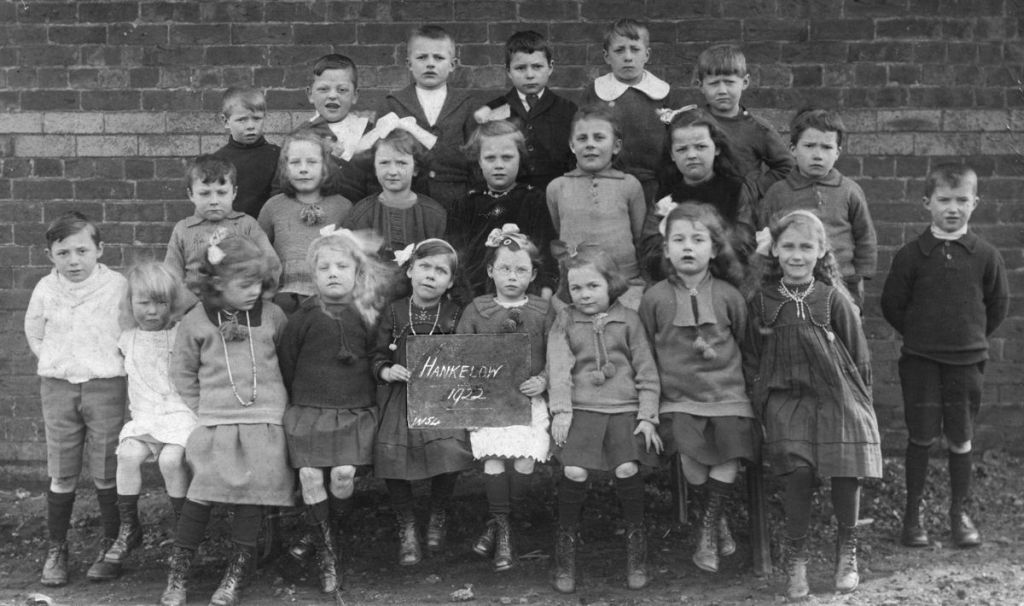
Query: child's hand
395, 372
560, 427
533, 387
650, 433
546, 293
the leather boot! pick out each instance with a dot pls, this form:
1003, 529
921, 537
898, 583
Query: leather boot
101, 569
485, 542
847, 577
961, 527
409, 552
913, 533
177, 578
437, 528
504, 557
726, 544
564, 574
55, 569
129, 535
796, 568
327, 559
235, 577
304, 548
636, 557
706, 555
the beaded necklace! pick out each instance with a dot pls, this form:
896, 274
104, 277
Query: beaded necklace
437, 316
802, 311
227, 360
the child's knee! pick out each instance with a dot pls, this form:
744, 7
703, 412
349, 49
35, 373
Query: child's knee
961, 448
523, 466
924, 443
63, 485
311, 478
627, 470
131, 453
171, 459
493, 467
343, 475
576, 474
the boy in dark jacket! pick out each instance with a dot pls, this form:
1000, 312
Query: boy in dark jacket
946, 293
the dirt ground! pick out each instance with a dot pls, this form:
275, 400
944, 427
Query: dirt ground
891, 575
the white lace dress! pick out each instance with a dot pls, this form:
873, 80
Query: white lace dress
158, 414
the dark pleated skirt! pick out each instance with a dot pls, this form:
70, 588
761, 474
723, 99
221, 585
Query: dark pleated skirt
710, 440
602, 442
330, 437
244, 464
401, 453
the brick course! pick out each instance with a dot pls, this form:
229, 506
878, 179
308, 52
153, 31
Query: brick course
104, 101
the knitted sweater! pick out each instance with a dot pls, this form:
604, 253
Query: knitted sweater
691, 383
281, 219
754, 142
605, 208
484, 316
191, 237
946, 297
399, 226
212, 374
325, 361
72, 327
840, 204
256, 164
546, 128
601, 364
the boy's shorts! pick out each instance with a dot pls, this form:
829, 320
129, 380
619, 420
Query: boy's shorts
940, 398
74, 412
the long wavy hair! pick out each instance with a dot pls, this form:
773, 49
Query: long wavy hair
373, 276
242, 259
726, 264
592, 255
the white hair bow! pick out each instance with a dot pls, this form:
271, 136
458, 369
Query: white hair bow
509, 232
661, 209
402, 256
764, 242
214, 253
388, 123
365, 239
666, 114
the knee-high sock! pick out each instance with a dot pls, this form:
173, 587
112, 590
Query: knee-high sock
109, 516
959, 479
58, 514
245, 526
192, 524
571, 496
917, 470
442, 488
846, 500
497, 487
631, 498
400, 494
797, 501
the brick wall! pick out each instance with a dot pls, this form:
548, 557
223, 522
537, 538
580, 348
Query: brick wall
102, 102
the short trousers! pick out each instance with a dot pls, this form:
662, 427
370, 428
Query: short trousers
79, 413
940, 399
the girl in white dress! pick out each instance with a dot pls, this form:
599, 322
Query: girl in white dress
512, 264
160, 420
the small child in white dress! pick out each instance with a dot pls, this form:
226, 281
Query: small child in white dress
160, 420
512, 264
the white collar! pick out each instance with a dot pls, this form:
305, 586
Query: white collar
349, 130
608, 88
948, 235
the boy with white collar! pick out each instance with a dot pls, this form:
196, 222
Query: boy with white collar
444, 112
638, 99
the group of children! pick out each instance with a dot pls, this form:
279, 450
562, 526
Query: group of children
688, 290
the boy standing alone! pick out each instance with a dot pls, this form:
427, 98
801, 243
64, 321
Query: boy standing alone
946, 293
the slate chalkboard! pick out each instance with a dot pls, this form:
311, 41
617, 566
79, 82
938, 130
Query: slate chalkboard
467, 381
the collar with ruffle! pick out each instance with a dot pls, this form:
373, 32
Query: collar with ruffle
608, 88
487, 306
